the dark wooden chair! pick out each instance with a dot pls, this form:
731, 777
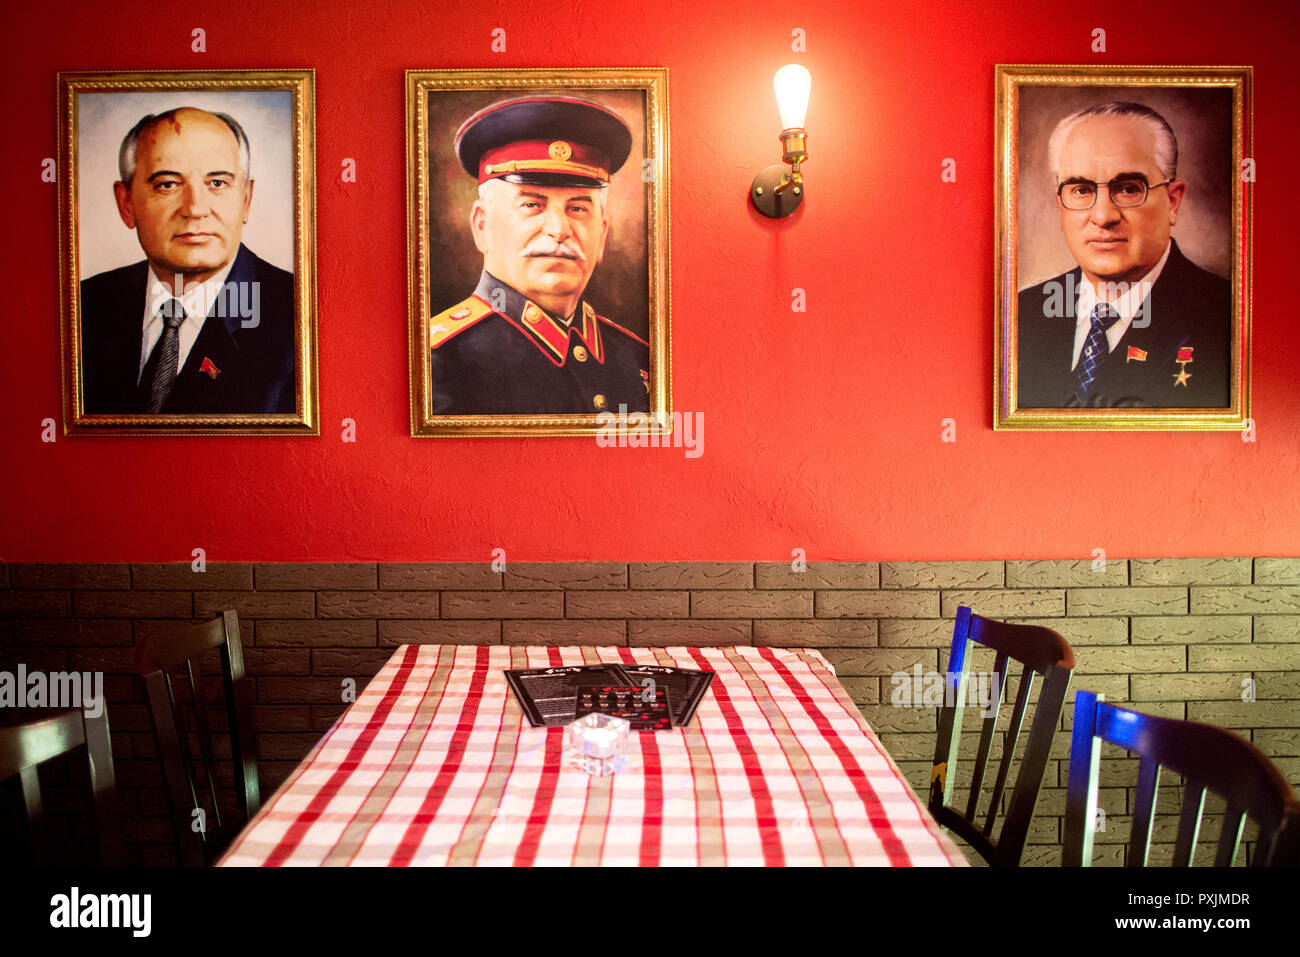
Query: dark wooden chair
174, 650
41, 735
1287, 851
1043, 654
1208, 758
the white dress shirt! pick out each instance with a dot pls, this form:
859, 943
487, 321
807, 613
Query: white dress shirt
197, 301
1127, 305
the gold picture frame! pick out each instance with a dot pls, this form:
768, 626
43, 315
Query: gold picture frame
626, 299
249, 365
1200, 311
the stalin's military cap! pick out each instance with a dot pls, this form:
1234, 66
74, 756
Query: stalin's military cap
544, 141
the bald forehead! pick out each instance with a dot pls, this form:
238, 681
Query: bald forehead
187, 136
1103, 142
190, 123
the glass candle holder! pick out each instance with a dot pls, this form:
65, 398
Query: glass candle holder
597, 744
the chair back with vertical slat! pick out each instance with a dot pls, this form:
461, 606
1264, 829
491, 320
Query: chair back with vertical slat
1208, 759
173, 650
1042, 654
26, 744
1286, 853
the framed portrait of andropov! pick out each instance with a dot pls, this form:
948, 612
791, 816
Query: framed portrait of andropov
537, 217
187, 256
1123, 225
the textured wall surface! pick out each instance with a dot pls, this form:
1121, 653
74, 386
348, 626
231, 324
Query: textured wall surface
1171, 637
821, 429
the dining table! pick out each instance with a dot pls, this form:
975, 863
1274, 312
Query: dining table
435, 763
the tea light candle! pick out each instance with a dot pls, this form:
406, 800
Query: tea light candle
596, 743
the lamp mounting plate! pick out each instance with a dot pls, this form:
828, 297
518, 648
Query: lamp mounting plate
767, 200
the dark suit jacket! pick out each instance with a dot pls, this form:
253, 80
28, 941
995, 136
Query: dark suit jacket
1187, 306
249, 370
520, 360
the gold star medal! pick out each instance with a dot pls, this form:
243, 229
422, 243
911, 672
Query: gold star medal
1184, 357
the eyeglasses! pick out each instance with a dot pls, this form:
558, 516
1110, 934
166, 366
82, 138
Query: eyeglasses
1127, 191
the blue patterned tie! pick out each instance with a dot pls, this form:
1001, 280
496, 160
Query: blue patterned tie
1095, 349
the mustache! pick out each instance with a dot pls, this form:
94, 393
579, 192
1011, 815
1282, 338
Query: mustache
551, 248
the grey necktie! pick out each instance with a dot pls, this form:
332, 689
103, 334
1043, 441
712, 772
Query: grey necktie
167, 353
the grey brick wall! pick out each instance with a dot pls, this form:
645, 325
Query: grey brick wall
1178, 637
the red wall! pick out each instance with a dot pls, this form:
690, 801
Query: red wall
821, 431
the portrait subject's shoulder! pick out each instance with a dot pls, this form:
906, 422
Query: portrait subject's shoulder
115, 281
610, 325
1209, 286
267, 269
1058, 287
455, 320
276, 282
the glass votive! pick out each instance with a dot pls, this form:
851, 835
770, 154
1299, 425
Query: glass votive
597, 744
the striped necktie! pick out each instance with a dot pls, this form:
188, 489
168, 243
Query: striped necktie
166, 356
1095, 350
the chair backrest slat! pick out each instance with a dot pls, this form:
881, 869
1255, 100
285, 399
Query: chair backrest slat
1144, 811
1041, 651
1234, 824
205, 742
986, 744
173, 756
1012, 740
1189, 824
178, 713
239, 713
1208, 758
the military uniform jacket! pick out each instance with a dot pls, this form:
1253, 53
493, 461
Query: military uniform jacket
518, 359
230, 369
1187, 308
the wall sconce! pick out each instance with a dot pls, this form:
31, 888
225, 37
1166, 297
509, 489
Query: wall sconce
777, 192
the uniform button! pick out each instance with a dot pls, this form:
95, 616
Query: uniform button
532, 313
460, 314
599, 402
580, 353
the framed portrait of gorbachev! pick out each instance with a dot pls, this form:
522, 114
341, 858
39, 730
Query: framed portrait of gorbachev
537, 217
1123, 226
187, 252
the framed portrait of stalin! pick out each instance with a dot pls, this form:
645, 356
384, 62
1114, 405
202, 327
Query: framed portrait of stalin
187, 210
537, 218
1123, 241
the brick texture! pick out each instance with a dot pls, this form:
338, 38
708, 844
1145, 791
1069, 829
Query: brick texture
941, 575
1184, 638
1190, 571
181, 576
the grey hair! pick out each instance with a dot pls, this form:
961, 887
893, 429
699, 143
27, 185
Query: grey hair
489, 191
1166, 142
126, 154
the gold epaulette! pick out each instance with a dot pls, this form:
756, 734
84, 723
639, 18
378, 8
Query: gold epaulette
456, 319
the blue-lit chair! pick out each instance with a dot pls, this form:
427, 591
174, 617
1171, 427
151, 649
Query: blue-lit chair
1044, 654
1207, 757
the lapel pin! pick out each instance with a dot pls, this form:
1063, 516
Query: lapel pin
1135, 353
207, 367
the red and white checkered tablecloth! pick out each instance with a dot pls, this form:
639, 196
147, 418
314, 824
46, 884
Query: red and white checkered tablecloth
435, 763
